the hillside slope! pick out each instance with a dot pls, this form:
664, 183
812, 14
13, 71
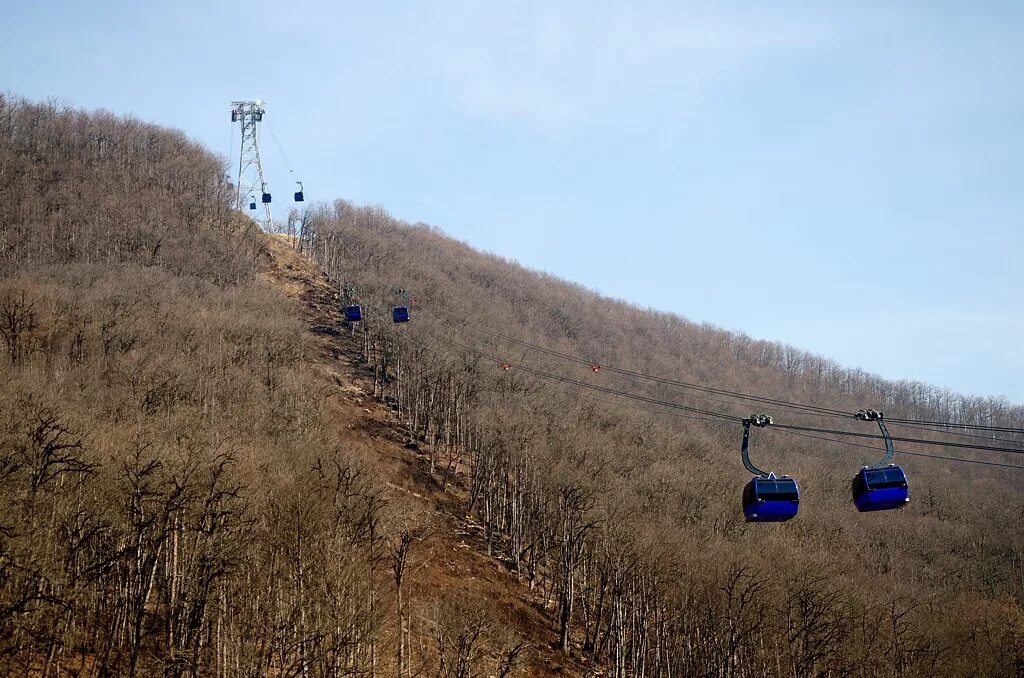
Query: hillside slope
449, 566
204, 471
634, 505
192, 481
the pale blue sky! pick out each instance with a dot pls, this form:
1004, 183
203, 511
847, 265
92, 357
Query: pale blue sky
845, 177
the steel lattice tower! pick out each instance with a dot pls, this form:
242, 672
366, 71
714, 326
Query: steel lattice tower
250, 167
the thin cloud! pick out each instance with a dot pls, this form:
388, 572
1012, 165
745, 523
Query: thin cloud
563, 67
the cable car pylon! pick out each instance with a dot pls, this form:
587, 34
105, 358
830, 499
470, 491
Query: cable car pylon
250, 167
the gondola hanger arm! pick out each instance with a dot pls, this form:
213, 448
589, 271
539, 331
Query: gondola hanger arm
761, 421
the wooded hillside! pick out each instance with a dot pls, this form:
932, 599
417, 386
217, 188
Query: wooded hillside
176, 497
193, 483
631, 517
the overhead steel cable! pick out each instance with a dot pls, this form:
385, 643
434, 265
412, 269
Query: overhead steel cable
548, 379
804, 408
556, 379
280, 148
949, 424
812, 410
988, 448
231, 152
721, 417
920, 441
847, 443
975, 436
716, 415
583, 384
495, 347
801, 408
711, 416
855, 434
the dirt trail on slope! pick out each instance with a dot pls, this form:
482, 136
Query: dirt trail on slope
451, 559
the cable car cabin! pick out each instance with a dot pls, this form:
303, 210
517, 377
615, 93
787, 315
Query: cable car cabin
299, 197
880, 489
771, 499
400, 314
353, 313
252, 204
266, 198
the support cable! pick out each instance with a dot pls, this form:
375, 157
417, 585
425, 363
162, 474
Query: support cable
987, 448
847, 443
949, 424
721, 417
280, 148
920, 441
800, 407
803, 407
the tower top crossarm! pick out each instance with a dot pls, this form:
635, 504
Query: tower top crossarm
255, 106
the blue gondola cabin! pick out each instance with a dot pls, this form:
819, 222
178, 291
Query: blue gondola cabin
400, 314
880, 489
771, 499
353, 313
